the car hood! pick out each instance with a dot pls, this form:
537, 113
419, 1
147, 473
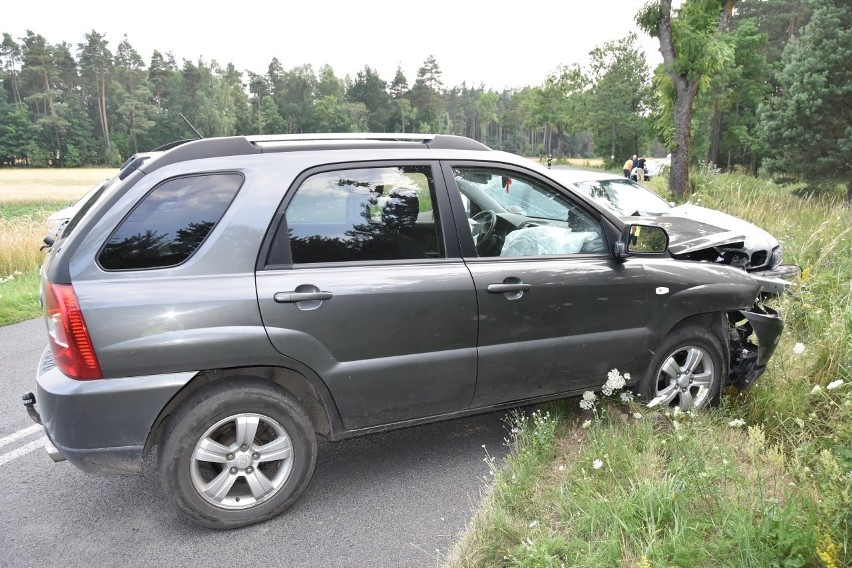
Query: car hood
755, 237
689, 235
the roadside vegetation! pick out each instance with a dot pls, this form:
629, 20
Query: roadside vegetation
27, 198
765, 480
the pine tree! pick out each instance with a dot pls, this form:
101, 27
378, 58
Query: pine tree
808, 127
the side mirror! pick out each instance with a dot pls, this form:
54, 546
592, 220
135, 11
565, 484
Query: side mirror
642, 239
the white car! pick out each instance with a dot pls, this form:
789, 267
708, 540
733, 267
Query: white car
657, 166
56, 222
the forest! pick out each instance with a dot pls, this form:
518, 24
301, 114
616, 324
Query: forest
96, 103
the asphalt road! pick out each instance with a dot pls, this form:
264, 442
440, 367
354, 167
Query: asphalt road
398, 499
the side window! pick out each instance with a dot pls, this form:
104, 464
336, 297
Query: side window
382, 213
510, 215
170, 223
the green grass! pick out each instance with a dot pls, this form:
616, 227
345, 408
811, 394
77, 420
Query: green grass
19, 298
696, 491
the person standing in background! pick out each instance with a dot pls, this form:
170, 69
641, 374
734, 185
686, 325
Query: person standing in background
628, 166
640, 168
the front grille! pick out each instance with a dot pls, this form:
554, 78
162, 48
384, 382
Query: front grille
758, 258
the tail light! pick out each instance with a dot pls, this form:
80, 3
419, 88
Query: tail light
69, 339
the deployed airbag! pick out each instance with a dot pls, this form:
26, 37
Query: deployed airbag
534, 241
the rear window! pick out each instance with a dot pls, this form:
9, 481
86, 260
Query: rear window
170, 223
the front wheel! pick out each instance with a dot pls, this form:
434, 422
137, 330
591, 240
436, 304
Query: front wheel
236, 454
686, 371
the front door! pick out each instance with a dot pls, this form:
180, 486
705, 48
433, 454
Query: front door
556, 310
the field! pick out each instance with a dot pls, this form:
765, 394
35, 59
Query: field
27, 198
765, 480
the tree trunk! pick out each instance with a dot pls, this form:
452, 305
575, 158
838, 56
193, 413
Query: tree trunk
612, 153
102, 112
686, 88
715, 134
679, 173
48, 107
16, 94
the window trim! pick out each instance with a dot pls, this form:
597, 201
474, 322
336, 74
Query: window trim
279, 220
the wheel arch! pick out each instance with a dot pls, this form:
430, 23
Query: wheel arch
716, 322
316, 401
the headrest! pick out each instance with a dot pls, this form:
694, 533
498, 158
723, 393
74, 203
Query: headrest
401, 209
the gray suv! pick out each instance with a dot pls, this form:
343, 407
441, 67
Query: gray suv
229, 300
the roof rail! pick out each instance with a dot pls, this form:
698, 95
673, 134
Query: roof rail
183, 150
439, 141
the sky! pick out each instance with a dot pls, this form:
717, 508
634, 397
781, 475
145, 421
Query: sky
495, 43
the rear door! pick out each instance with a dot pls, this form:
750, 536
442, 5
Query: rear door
359, 283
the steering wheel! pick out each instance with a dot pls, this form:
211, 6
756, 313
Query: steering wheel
483, 228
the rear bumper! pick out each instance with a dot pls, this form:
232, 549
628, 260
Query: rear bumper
101, 426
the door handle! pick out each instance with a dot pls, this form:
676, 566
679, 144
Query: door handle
294, 296
506, 288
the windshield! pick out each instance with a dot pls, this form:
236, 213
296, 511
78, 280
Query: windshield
517, 196
624, 196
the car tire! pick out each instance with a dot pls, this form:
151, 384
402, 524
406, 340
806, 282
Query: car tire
237, 453
686, 371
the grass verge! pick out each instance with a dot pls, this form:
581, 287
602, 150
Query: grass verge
19, 298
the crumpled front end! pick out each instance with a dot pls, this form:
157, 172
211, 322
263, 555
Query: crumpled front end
753, 336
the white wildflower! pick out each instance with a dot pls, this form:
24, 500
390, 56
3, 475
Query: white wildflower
737, 423
799, 348
627, 397
834, 385
816, 390
533, 524
588, 402
607, 390
614, 380
597, 464
587, 424
637, 415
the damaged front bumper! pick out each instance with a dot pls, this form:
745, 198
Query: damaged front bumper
776, 281
754, 334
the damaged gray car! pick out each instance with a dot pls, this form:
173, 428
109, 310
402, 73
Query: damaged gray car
229, 301
695, 232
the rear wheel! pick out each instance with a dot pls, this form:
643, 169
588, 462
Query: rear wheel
687, 370
237, 454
